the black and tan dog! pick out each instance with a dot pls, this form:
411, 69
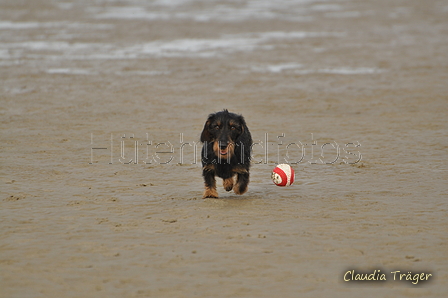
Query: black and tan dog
226, 153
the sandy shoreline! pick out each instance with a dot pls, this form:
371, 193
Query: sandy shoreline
365, 80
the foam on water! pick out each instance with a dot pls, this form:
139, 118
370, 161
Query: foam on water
6, 25
16, 25
350, 71
299, 69
143, 73
277, 68
132, 13
326, 7
4, 54
54, 45
344, 14
81, 71
70, 71
206, 48
220, 13
172, 2
292, 10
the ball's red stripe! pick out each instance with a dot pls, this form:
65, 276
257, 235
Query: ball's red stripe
292, 176
282, 175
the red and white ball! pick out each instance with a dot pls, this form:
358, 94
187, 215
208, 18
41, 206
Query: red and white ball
283, 175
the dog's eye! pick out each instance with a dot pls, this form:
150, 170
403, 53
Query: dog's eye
216, 127
232, 127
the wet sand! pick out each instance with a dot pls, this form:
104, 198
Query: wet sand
353, 94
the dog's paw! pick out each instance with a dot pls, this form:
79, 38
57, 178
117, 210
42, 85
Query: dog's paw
210, 193
228, 184
240, 189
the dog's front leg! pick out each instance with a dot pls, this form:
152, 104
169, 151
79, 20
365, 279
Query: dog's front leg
210, 182
242, 181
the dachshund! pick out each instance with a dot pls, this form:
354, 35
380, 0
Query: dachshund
226, 152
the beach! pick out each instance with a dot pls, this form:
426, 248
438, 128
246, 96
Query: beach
102, 107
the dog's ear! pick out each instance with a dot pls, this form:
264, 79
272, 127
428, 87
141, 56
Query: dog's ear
244, 143
245, 134
205, 135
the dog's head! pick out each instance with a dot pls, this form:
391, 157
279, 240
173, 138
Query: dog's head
224, 130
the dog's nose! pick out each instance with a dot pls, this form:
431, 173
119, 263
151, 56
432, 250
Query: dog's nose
223, 145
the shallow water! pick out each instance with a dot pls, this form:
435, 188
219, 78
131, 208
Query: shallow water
102, 106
